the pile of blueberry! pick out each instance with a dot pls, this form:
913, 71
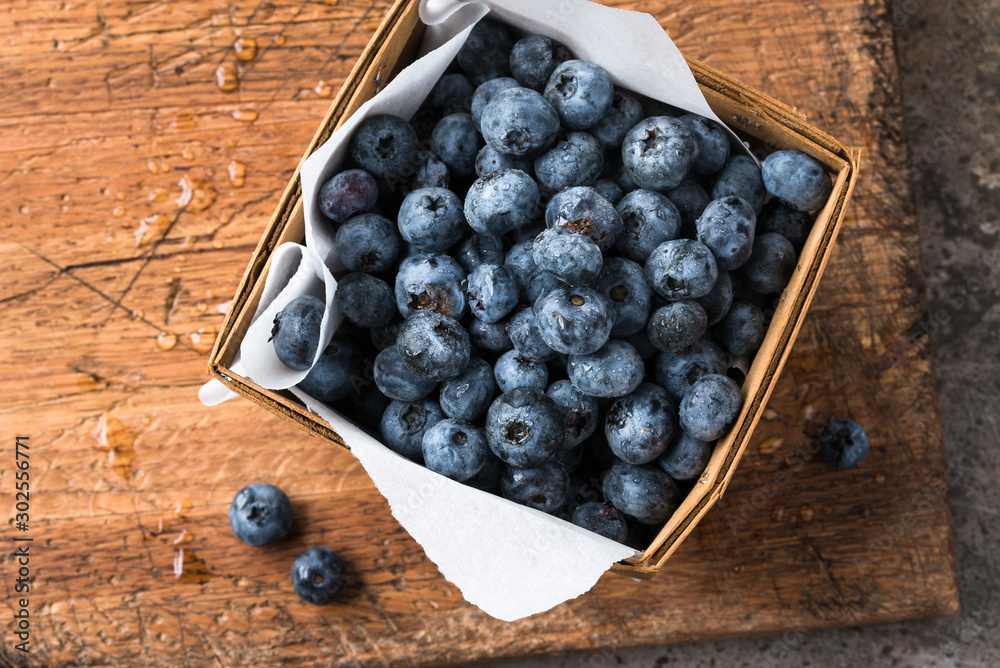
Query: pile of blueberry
571, 332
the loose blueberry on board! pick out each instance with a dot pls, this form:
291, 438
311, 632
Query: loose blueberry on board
524, 427
430, 282
581, 93
404, 423
676, 372
726, 227
519, 122
484, 93
453, 94
602, 519
573, 258
639, 426
741, 178
470, 393
368, 242
260, 514
576, 160
479, 249
742, 330
365, 300
713, 143
710, 407
719, 299
526, 337
491, 336
493, 292
486, 53
771, 264
583, 210
386, 146
624, 113
786, 221
319, 575
642, 492
574, 320
433, 346
432, 219
456, 141
613, 371
658, 152
623, 283
501, 201
797, 179
690, 199
676, 326
609, 190
579, 412
295, 334
648, 219
337, 373
543, 488
396, 381
347, 193
514, 370
488, 160
534, 58
686, 457
681, 269
843, 443
454, 448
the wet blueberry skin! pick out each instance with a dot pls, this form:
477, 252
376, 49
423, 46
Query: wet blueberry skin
676, 372
260, 514
581, 93
479, 249
368, 242
319, 575
576, 160
534, 58
386, 147
404, 423
432, 173
742, 330
525, 335
613, 371
741, 177
624, 113
430, 282
490, 336
433, 346
713, 143
493, 292
488, 478
771, 264
519, 122
681, 269
514, 370
796, 179
486, 53
574, 320
347, 193
639, 426
485, 92
583, 210
337, 373
456, 141
640, 341
615, 170
727, 227
579, 412
843, 443
396, 381
602, 519
609, 190
455, 449
686, 457
501, 201
643, 492
469, 394
569, 458
786, 221
383, 337
648, 219
543, 488
296, 330
432, 219
573, 258
676, 326
623, 283
453, 94
524, 427
488, 160
521, 263
690, 199
718, 300
710, 407
658, 152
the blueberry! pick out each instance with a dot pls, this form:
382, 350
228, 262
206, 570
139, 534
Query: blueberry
514, 370
581, 490
581, 92
713, 143
624, 285
484, 93
534, 58
404, 423
578, 409
608, 189
524, 427
600, 451
843, 443
348, 193
686, 457
433, 346
798, 180
488, 478
741, 178
319, 575
710, 407
486, 53
424, 120
368, 402
396, 381
432, 219
479, 249
519, 122
602, 519
337, 373
430, 282
658, 152
583, 210
718, 300
295, 334
488, 160
681, 269
469, 394
543, 488
432, 173
639, 426
676, 372
648, 219
771, 264
260, 514
521, 262
368, 242
456, 141
452, 94
386, 146
493, 292
624, 113
643, 492
786, 221
690, 200
640, 341
571, 257
365, 300
726, 226
569, 458
614, 170
574, 320
455, 449
491, 336
501, 201
575, 160
613, 371
383, 337
525, 335
676, 326
742, 330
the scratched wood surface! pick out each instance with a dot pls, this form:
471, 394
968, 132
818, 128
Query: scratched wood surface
135, 187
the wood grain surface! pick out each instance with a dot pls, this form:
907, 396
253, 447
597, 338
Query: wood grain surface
135, 188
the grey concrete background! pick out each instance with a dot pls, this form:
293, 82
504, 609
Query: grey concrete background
949, 56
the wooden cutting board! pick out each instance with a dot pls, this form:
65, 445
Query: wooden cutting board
135, 188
